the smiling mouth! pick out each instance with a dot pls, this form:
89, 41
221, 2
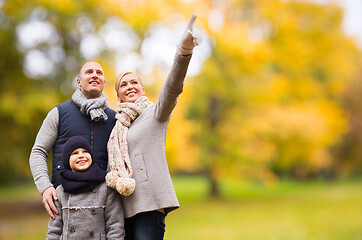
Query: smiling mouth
130, 93
82, 162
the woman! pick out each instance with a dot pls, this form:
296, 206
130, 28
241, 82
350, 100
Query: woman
136, 147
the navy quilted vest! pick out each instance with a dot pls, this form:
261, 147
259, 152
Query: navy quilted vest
73, 123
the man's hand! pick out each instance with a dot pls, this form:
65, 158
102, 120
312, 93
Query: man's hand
188, 40
48, 195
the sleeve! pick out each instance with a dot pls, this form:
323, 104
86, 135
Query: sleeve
172, 87
114, 218
55, 226
44, 142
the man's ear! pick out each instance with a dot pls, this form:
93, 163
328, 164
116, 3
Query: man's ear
78, 82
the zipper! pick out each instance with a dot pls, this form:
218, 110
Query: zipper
92, 133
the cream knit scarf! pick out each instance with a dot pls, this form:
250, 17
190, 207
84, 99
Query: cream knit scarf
120, 175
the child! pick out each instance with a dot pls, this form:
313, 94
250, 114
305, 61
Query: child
89, 209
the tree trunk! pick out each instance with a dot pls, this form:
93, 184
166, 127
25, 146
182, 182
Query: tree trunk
214, 118
214, 187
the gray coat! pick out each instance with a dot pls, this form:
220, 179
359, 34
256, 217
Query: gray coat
146, 146
96, 214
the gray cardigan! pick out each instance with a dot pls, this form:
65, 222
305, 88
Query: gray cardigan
146, 145
95, 214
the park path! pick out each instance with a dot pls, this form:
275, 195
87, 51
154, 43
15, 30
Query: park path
17, 208
20, 219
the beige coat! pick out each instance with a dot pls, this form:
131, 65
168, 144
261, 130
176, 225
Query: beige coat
146, 145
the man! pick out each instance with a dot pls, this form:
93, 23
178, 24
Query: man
86, 115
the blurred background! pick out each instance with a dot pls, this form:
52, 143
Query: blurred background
266, 139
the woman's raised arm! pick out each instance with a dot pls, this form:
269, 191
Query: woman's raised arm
173, 85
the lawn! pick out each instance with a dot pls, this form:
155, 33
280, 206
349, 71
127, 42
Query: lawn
282, 211
287, 210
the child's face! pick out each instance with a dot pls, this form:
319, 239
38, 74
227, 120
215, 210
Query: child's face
80, 160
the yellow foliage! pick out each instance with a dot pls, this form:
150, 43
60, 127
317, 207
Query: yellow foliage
277, 71
287, 134
64, 6
24, 108
182, 153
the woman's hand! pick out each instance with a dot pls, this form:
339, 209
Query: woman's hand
188, 40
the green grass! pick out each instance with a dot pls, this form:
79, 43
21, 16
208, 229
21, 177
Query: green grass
286, 210
19, 192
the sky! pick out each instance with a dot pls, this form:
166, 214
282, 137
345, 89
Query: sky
352, 20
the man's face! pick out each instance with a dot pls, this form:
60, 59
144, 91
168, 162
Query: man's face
91, 80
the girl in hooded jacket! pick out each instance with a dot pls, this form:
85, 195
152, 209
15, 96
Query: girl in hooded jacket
87, 207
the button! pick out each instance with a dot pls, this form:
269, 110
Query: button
91, 234
93, 211
58, 166
141, 168
94, 190
72, 230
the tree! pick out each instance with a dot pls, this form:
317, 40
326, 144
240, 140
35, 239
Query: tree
348, 151
44, 44
29, 93
268, 102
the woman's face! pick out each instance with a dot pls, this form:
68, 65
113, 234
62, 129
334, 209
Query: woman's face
80, 160
130, 88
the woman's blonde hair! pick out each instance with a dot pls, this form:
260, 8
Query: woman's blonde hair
120, 76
